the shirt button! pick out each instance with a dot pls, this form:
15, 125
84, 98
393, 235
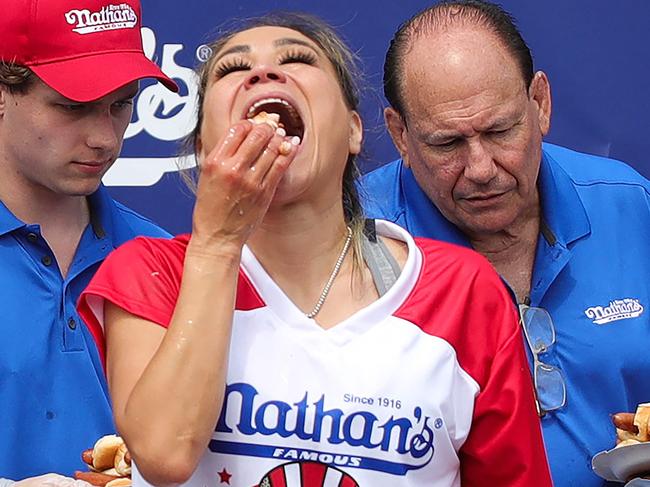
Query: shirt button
46, 260
72, 324
32, 237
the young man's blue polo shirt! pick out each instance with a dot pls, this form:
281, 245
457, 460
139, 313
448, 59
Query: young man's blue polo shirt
591, 272
53, 396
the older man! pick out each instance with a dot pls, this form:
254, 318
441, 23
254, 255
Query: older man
68, 74
569, 232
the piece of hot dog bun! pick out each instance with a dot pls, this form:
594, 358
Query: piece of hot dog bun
641, 419
272, 119
121, 482
123, 461
104, 452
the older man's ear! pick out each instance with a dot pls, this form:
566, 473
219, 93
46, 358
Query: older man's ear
398, 132
540, 94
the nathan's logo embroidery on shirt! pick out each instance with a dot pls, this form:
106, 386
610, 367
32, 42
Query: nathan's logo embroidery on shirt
394, 445
619, 309
110, 17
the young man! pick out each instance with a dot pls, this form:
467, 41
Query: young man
68, 74
567, 231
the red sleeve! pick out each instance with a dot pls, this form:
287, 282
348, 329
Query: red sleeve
504, 447
142, 277
505, 439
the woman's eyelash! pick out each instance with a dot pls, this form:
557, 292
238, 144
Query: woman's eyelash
298, 57
230, 66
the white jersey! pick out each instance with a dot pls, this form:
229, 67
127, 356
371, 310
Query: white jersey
384, 398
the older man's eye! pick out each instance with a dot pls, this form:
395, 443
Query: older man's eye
447, 145
498, 133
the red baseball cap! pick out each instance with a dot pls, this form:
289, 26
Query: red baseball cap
84, 49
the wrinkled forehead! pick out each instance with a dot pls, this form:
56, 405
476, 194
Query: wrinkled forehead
459, 65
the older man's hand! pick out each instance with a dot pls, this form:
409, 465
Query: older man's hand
51, 480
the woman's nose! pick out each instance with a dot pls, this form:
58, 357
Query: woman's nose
265, 74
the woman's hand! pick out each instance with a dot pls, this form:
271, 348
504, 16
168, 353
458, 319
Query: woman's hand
237, 182
168, 438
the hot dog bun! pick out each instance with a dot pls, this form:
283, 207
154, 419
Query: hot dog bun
104, 452
123, 461
122, 482
272, 119
641, 419
628, 442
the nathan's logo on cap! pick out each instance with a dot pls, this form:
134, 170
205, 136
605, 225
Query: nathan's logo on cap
110, 17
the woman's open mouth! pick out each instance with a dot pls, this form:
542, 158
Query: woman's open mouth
278, 113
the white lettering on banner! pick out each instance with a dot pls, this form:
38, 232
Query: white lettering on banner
109, 17
618, 309
152, 112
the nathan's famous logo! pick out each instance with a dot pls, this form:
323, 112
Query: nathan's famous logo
394, 445
618, 309
162, 115
110, 17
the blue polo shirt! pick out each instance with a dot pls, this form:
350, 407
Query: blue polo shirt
591, 272
53, 395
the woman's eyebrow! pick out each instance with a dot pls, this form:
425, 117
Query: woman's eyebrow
242, 48
287, 41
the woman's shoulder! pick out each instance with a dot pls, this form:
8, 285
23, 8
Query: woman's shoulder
453, 254
148, 248
436, 254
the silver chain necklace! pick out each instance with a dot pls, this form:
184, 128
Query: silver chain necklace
330, 281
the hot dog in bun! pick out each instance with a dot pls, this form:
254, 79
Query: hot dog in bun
633, 429
109, 462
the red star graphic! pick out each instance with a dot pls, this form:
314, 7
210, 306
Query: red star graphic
224, 477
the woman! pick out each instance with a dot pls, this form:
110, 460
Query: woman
324, 352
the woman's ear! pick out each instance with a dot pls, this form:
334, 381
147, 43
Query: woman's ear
356, 133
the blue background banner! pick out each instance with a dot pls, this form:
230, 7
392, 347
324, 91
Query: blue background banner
595, 52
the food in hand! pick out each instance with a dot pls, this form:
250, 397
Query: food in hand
272, 119
636, 432
109, 462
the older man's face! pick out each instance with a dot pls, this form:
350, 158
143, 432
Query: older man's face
473, 130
